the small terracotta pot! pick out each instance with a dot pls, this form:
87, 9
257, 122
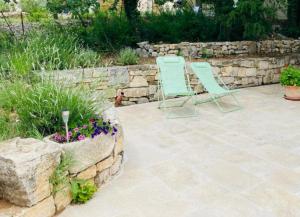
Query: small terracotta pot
292, 93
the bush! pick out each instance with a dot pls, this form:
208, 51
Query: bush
5, 40
49, 50
36, 9
39, 106
290, 76
87, 58
109, 32
4, 6
127, 56
82, 190
250, 20
171, 27
8, 126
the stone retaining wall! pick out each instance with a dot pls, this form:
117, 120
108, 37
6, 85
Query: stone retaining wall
26, 166
139, 82
220, 49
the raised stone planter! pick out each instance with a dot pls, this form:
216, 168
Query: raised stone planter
27, 164
88, 152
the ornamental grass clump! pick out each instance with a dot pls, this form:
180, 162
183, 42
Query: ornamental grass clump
127, 56
39, 106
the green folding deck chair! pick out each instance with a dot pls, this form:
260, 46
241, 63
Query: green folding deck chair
205, 74
174, 82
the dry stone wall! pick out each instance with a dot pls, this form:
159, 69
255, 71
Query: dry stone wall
220, 49
139, 82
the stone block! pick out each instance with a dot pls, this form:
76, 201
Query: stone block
88, 152
62, 199
119, 146
88, 173
25, 168
142, 100
127, 103
102, 177
115, 168
263, 64
228, 80
152, 89
247, 63
106, 163
226, 71
138, 81
250, 72
45, 208
136, 92
117, 76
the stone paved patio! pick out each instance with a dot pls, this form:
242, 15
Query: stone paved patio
240, 164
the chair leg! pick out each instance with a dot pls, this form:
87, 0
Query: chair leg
237, 105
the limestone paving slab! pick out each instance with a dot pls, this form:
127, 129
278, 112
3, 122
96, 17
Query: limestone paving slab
241, 164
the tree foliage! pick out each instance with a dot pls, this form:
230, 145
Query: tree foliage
78, 8
294, 12
130, 7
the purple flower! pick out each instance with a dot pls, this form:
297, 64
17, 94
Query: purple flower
59, 138
70, 134
115, 129
84, 126
81, 137
76, 129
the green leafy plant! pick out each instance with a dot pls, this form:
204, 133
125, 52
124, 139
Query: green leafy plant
4, 6
36, 9
175, 27
127, 56
8, 125
60, 177
82, 190
109, 32
290, 76
49, 50
78, 8
87, 58
39, 106
251, 19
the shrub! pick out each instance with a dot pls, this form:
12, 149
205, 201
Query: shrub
290, 76
5, 40
109, 32
4, 6
82, 190
176, 27
78, 8
127, 56
8, 125
87, 58
36, 9
49, 50
39, 106
250, 20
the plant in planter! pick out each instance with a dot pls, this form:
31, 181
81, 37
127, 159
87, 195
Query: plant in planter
92, 129
290, 79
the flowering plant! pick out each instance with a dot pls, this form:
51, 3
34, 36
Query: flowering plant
92, 129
